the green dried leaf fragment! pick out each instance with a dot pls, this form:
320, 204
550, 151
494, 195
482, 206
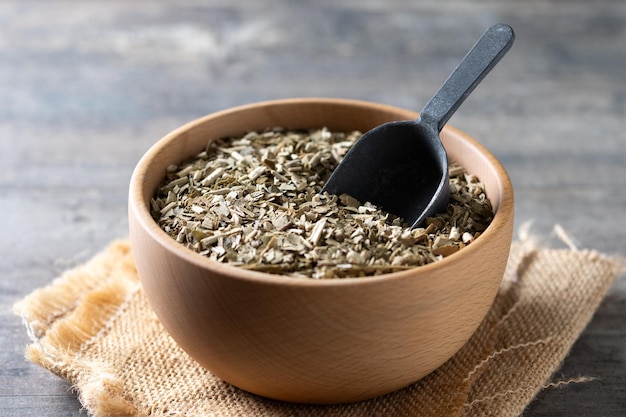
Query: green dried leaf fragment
255, 202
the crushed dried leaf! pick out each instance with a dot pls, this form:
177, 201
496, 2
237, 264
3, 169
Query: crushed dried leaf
255, 202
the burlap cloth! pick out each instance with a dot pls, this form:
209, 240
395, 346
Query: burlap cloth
94, 327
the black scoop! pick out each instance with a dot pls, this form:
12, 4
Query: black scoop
402, 166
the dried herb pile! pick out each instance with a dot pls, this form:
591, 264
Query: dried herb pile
254, 202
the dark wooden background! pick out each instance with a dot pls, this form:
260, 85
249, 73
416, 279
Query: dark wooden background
87, 86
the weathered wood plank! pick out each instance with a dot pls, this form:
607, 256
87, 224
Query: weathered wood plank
85, 89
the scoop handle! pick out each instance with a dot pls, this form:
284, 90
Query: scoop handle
484, 55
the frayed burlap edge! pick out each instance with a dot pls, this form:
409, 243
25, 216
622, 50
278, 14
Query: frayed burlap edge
547, 298
65, 316
491, 375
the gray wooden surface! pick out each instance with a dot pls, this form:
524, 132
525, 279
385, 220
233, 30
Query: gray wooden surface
87, 87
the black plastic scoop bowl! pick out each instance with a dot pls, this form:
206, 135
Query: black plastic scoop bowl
402, 166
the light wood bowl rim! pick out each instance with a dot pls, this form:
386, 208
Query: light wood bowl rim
503, 211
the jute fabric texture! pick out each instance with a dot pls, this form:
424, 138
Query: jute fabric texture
94, 327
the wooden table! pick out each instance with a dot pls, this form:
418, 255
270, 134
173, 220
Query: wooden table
87, 87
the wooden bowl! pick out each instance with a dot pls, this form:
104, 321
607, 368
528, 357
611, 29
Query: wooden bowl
316, 341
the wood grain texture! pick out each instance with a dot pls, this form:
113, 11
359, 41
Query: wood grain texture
349, 340
86, 88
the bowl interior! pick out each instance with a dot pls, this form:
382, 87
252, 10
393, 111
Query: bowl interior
334, 114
